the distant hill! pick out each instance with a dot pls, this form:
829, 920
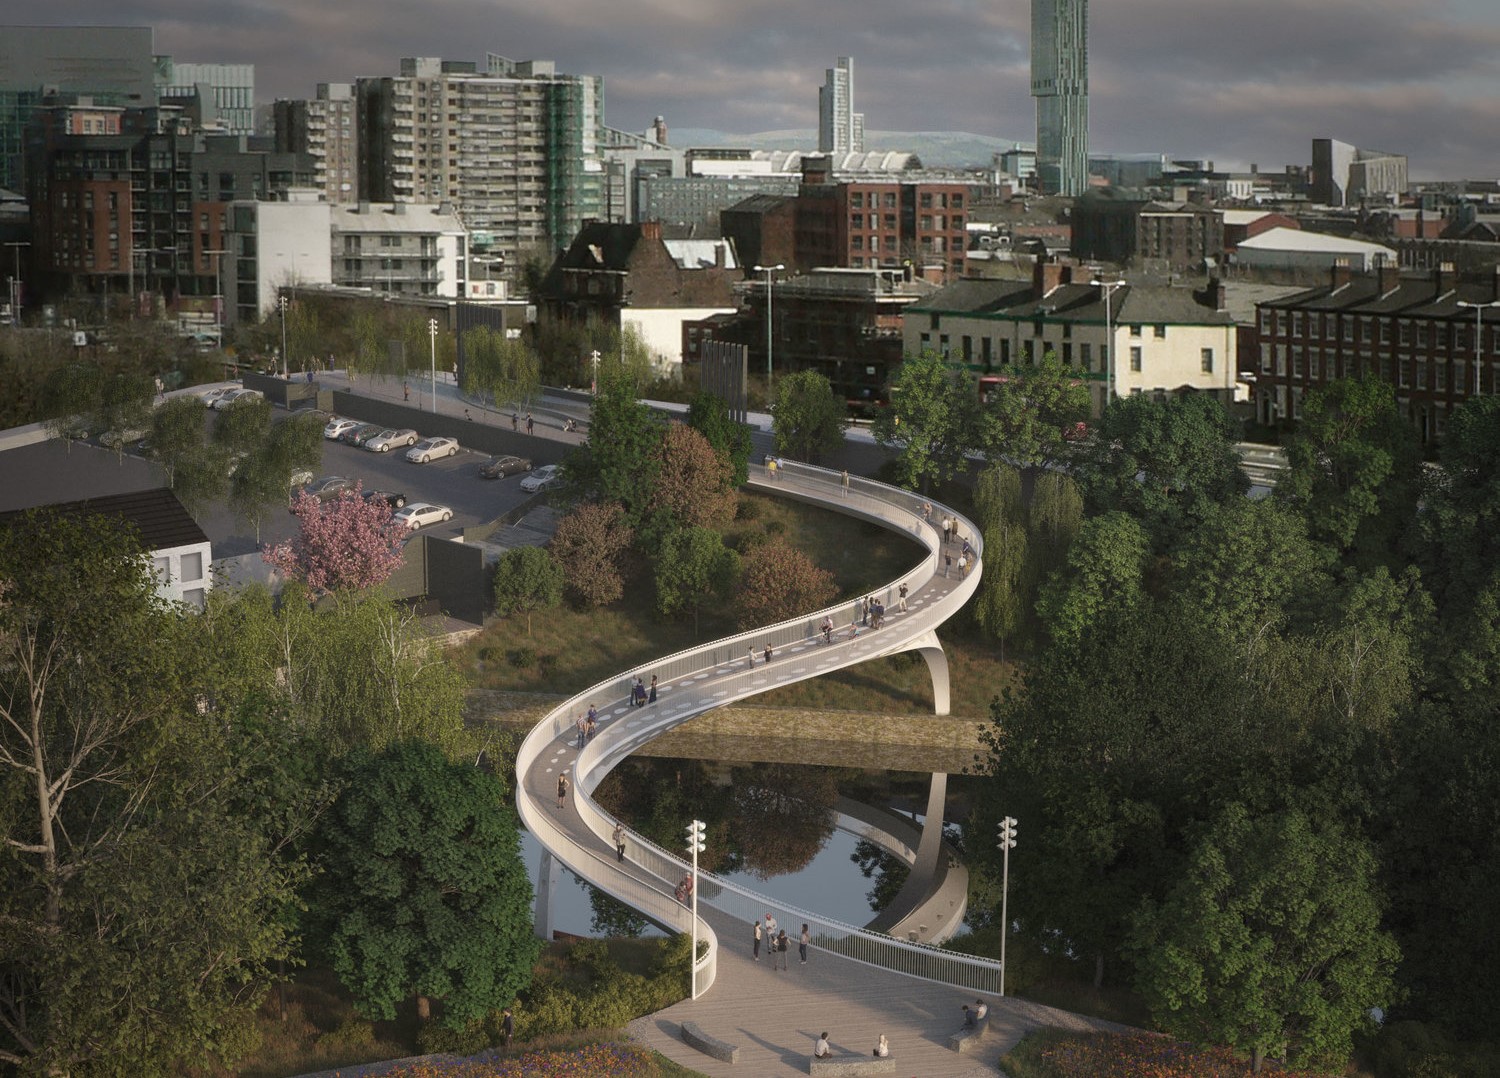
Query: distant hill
937, 149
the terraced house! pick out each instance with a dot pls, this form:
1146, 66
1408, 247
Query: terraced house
1133, 338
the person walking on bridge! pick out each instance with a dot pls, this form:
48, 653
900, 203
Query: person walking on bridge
562, 790
781, 948
756, 950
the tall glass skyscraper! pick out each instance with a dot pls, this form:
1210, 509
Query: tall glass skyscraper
840, 128
1060, 84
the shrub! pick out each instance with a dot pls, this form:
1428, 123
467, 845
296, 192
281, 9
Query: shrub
775, 527
522, 658
748, 509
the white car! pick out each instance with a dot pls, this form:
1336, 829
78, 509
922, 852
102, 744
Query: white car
420, 514
210, 397
389, 439
337, 426
432, 449
236, 395
544, 478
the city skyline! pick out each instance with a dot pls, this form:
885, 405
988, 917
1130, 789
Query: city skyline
1238, 85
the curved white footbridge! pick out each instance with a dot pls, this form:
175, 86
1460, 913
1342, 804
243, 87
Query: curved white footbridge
579, 835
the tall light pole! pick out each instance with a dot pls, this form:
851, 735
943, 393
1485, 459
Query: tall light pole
695, 845
218, 257
1478, 309
594, 355
1007, 843
432, 338
768, 270
282, 304
15, 283
1108, 288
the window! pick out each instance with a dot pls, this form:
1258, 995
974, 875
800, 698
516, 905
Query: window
1421, 374
1265, 359
1265, 320
1299, 321
1135, 357
1440, 375
1207, 360
1086, 356
1160, 332
1403, 378
857, 200
857, 221
1385, 333
932, 321
1348, 328
1135, 331
191, 567
1297, 358
943, 345
1067, 356
968, 348
1406, 333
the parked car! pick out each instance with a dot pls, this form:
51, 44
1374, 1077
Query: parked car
420, 514
209, 396
111, 439
327, 487
432, 449
390, 497
389, 439
544, 478
500, 467
361, 434
338, 426
236, 395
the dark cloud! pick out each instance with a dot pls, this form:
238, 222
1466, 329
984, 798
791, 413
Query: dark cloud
1234, 82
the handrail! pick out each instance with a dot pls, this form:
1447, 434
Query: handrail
722, 665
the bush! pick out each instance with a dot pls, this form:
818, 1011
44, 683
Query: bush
775, 527
748, 509
522, 658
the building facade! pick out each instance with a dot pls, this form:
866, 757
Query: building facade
225, 93
515, 147
1434, 337
1126, 231
1345, 175
1060, 84
1139, 339
325, 128
413, 249
111, 64
840, 128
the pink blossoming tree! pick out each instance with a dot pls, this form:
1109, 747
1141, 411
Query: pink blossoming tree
346, 544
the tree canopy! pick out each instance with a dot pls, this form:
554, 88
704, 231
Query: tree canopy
808, 421
930, 421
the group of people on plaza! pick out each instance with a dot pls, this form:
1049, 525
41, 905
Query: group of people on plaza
777, 942
823, 1050
640, 695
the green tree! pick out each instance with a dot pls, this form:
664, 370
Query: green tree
125, 398
1031, 418
1270, 942
1104, 573
527, 579
1005, 594
504, 369
808, 421
70, 399
196, 471
1053, 521
1160, 461
618, 460
140, 905
930, 421
709, 416
591, 544
1354, 469
693, 566
423, 892
243, 426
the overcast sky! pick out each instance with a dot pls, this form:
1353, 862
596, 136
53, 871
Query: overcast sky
1234, 82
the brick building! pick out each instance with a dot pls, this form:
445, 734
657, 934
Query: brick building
1419, 332
1134, 232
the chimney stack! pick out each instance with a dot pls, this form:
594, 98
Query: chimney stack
1342, 273
1389, 274
651, 230
1444, 277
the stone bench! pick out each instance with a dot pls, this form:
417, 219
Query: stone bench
694, 1037
852, 1065
968, 1038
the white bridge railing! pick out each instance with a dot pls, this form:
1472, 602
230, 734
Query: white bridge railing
722, 666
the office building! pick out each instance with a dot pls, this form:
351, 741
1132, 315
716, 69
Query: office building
325, 128
110, 64
1345, 175
414, 249
840, 128
224, 93
516, 147
1060, 84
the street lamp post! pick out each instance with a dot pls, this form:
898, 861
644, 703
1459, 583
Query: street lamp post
594, 386
695, 846
1007, 843
1478, 309
218, 257
432, 337
15, 283
1108, 288
768, 270
281, 304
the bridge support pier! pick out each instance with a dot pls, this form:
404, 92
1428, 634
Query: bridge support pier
931, 843
931, 649
547, 880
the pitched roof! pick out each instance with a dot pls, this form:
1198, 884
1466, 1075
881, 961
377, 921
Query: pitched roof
156, 514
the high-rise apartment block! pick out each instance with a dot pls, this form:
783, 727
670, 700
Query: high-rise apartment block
1060, 84
326, 129
840, 128
110, 64
516, 147
225, 93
